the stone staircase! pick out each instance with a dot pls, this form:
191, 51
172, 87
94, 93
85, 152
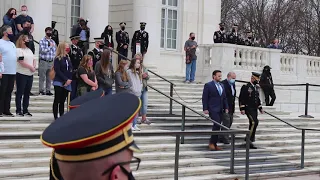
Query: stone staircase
278, 154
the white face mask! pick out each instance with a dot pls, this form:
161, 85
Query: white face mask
24, 12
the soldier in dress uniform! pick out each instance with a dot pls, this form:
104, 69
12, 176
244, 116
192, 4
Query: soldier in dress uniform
249, 102
75, 55
249, 40
55, 33
233, 37
98, 49
220, 36
96, 149
140, 38
54, 168
123, 41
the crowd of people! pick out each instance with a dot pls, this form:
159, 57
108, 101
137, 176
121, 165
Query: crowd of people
69, 68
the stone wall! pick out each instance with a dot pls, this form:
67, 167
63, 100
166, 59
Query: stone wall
286, 69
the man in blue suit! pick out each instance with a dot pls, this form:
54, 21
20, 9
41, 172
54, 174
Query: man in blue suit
214, 102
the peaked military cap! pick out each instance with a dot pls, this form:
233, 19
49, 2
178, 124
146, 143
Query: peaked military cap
98, 39
256, 75
96, 129
86, 98
143, 24
74, 37
267, 67
122, 24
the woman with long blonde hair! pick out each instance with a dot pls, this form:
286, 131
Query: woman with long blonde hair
87, 78
24, 78
135, 75
122, 79
63, 77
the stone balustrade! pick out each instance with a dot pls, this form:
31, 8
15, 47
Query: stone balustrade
286, 69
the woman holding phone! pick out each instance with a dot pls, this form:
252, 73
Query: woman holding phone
62, 81
24, 78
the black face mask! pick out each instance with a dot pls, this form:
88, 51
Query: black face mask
123, 28
142, 28
193, 38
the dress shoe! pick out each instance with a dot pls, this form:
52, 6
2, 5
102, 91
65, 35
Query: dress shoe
213, 147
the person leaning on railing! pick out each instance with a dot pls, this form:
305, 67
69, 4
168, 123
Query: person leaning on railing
122, 79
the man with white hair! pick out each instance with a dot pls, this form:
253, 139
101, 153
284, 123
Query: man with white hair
230, 88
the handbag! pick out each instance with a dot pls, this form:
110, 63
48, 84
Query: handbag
52, 73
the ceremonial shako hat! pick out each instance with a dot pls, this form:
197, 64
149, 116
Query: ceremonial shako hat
74, 37
143, 24
256, 75
96, 129
122, 24
86, 98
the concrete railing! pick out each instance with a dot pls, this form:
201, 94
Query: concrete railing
286, 69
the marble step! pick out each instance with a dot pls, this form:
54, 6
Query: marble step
253, 176
151, 164
160, 173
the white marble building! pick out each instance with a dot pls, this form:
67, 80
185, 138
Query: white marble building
169, 22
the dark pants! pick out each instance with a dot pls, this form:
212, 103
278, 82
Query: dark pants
227, 121
7, 83
216, 116
252, 114
74, 87
123, 52
60, 95
23, 85
269, 92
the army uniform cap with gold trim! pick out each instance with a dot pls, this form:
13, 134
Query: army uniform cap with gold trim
85, 98
256, 75
74, 37
96, 129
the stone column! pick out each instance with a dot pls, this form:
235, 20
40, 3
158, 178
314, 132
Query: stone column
41, 12
150, 12
97, 12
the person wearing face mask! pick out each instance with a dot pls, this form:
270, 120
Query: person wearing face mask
267, 86
190, 47
62, 80
55, 33
135, 76
8, 55
220, 36
9, 19
47, 53
123, 41
140, 40
97, 51
233, 37
107, 35
230, 88
96, 150
21, 19
249, 102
